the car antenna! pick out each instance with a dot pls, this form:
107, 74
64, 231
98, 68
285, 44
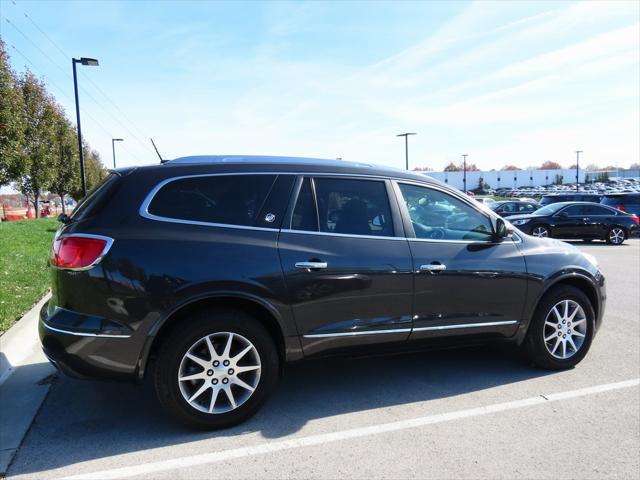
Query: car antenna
156, 149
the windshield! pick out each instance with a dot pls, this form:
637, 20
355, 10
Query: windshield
549, 209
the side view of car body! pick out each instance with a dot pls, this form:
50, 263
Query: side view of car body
212, 273
581, 220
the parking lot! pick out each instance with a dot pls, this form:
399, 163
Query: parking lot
473, 413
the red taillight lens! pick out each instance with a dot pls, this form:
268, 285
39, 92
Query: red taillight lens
621, 207
77, 251
635, 219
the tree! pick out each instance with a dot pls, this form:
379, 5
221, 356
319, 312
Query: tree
592, 167
11, 123
510, 168
452, 167
93, 169
423, 169
549, 165
37, 154
634, 166
65, 176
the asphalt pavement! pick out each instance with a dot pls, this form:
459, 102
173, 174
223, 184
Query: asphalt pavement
473, 413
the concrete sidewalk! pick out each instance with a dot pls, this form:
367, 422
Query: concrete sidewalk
24, 382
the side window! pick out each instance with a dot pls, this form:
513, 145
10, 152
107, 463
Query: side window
574, 211
354, 207
595, 210
526, 207
304, 213
509, 208
228, 199
438, 215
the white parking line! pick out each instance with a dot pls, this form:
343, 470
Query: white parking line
208, 458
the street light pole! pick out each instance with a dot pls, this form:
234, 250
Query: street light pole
406, 147
90, 62
578, 152
464, 171
113, 149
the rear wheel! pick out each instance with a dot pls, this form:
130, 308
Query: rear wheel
561, 330
541, 231
616, 236
217, 369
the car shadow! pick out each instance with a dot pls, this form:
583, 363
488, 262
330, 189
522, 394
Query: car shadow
86, 420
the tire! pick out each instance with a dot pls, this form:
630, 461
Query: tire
218, 326
541, 231
542, 337
616, 236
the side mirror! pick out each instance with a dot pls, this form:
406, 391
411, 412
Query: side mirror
501, 229
563, 215
64, 218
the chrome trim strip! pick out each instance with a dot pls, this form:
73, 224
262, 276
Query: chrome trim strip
104, 252
352, 334
82, 334
465, 325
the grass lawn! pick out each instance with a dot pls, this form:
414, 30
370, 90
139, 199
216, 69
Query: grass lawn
24, 271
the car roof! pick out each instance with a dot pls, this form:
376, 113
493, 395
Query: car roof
203, 164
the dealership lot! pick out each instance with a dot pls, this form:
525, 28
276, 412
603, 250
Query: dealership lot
481, 412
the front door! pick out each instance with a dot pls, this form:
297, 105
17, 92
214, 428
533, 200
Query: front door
347, 265
570, 222
465, 281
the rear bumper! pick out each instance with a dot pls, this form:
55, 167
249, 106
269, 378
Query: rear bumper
83, 346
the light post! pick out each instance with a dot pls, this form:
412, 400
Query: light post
113, 148
94, 63
464, 171
406, 147
578, 152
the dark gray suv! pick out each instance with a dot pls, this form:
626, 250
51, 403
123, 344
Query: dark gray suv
212, 273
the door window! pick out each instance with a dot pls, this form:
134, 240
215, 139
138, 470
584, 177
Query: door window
438, 215
573, 211
353, 207
596, 210
526, 208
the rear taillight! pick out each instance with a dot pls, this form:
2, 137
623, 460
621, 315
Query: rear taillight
635, 219
621, 207
79, 251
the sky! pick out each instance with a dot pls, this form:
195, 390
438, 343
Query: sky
506, 82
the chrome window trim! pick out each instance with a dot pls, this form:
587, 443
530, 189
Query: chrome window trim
352, 334
104, 252
347, 235
465, 325
82, 334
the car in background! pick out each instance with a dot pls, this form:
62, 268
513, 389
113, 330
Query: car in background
582, 220
507, 208
569, 197
627, 202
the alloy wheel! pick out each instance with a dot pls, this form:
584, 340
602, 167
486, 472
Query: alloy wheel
616, 236
565, 329
219, 372
540, 232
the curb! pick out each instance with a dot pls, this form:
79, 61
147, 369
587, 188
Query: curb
20, 341
25, 378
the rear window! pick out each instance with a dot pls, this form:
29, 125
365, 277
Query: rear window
96, 197
224, 199
614, 200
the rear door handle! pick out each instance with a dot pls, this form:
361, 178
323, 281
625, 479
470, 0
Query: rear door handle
433, 268
311, 265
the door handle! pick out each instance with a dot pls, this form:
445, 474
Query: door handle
433, 268
311, 265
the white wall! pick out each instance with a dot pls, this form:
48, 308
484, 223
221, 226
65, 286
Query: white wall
508, 179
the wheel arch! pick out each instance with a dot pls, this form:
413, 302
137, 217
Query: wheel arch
254, 306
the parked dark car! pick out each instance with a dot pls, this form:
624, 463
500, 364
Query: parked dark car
582, 220
569, 197
212, 273
507, 208
627, 202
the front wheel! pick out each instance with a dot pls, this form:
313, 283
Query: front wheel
615, 236
541, 231
561, 330
216, 369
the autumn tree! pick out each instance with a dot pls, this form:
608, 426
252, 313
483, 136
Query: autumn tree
550, 165
11, 123
37, 155
510, 168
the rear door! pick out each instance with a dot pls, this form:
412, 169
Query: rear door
347, 264
465, 283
